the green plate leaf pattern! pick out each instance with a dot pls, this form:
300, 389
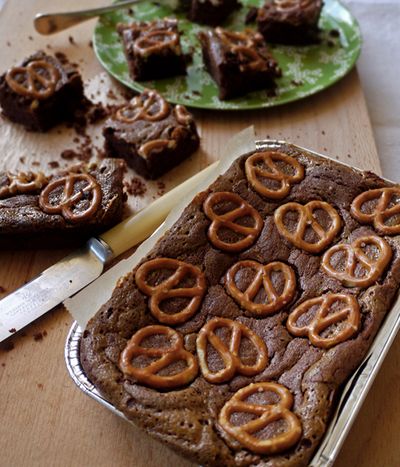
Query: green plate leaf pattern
306, 69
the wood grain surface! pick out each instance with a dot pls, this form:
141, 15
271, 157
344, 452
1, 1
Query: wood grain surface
45, 419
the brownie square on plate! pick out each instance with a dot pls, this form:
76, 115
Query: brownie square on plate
41, 92
212, 12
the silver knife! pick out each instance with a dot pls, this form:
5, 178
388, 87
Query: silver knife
82, 267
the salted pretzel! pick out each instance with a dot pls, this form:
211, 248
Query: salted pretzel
71, 196
155, 41
263, 279
381, 212
149, 106
229, 354
39, 79
164, 357
183, 117
307, 219
266, 414
155, 145
354, 255
287, 5
170, 288
227, 221
255, 172
23, 183
348, 318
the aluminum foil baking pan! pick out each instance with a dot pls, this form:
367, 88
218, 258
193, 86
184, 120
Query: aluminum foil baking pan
353, 393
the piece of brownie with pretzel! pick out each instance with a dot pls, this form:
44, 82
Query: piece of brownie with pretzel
62, 209
152, 135
153, 49
41, 93
231, 339
290, 21
239, 62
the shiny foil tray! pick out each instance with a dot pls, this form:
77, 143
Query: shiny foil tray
353, 393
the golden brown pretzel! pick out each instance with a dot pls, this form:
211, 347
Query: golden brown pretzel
34, 84
266, 414
275, 301
307, 219
23, 183
227, 221
149, 106
354, 255
382, 210
254, 172
165, 356
156, 40
229, 355
183, 117
322, 320
169, 288
155, 145
69, 199
296, 5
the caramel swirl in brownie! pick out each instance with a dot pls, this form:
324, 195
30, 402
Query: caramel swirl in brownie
37, 80
155, 40
273, 300
227, 221
262, 415
159, 358
360, 269
76, 188
244, 45
171, 287
306, 219
229, 354
327, 312
23, 183
263, 166
149, 106
382, 209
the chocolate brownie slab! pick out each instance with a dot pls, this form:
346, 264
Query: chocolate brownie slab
266, 254
211, 12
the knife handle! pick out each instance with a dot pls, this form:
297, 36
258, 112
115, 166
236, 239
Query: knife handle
138, 227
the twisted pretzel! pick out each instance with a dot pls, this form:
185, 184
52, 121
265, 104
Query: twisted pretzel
34, 84
227, 221
323, 320
307, 219
183, 117
381, 211
165, 356
267, 414
69, 199
230, 356
169, 288
149, 106
23, 183
155, 41
154, 145
354, 255
286, 5
274, 301
255, 172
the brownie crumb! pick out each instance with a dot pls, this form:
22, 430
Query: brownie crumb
161, 188
38, 336
40, 385
96, 113
12, 330
322, 132
135, 187
53, 164
3, 365
91, 44
71, 40
61, 57
69, 154
36, 163
111, 95
349, 156
30, 38
8, 44
22, 159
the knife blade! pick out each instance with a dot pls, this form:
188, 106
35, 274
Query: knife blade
82, 267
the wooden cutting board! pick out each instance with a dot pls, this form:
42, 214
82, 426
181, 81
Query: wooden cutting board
46, 420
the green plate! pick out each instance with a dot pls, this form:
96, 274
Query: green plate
306, 70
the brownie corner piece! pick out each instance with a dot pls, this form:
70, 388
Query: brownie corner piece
239, 62
41, 92
152, 135
211, 12
291, 22
153, 49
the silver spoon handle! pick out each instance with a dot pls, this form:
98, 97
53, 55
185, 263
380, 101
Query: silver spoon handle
53, 22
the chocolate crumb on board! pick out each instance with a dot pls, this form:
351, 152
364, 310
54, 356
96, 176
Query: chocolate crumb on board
71, 40
38, 336
3, 365
323, 132
36, 163
161, 188
8, 44
12, 330
53, 164
40, 385
91, 44
135, 187
69, 154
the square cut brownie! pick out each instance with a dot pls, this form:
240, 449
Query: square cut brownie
152, 135
239, 62
64, 209
41, 92
290, 21
211, 12
153, 49
232, 338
